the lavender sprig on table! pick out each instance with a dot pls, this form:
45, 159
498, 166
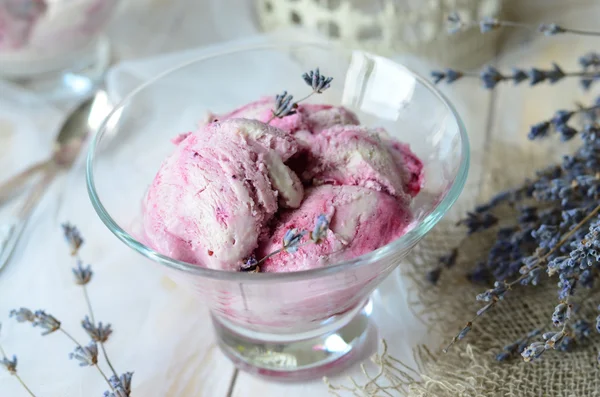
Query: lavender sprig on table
292, 240
284, 102
99, 333
555, 230
488, 24
11, 366
491, 77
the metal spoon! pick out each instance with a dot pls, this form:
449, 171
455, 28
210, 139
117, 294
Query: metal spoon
67, 145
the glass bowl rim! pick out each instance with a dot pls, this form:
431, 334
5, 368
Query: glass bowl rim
405, 241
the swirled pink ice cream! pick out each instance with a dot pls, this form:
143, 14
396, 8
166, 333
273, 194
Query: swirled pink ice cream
359, 156
360, 221
211, 199
234, 188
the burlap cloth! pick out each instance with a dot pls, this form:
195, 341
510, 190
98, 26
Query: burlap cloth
469, 368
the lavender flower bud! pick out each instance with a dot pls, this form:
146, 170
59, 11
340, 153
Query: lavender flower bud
455, 24
555, 74
539, 130
317, 82
488, 24
292, 239
249, 265
10, 365
123, 382
86, 355
73, 237
562, 117
590, 59
533, 351
433, 276
320, 230
23, 315
83, 275
46, 321
98, 333
550, 29
437, 76
562, 312
566, 132
284, 105
536, 76
490, 77
518, 75
463, 332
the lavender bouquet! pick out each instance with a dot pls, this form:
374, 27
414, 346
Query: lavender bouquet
99, 333
555, 232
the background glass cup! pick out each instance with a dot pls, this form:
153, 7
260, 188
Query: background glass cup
283, 325
54, 46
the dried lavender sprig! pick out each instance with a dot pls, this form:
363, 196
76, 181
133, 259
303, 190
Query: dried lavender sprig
456, 24
85, 354
83, 276
51, 324
284, 103
11, 367
491, 76
316, 81
292, 241
559, 123
496, 294
560, 316
284, 106
122, 383
73, 237
517, 346
38, 319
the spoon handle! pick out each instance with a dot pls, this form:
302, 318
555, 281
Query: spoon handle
10, 233
9, 186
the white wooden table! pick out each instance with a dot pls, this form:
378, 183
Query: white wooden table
160, 332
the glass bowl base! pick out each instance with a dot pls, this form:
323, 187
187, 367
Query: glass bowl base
298, 357
80, 79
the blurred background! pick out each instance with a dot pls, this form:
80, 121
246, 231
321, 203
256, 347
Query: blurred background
46, 45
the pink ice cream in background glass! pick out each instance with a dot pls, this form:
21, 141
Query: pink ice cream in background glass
41, 40
381, 154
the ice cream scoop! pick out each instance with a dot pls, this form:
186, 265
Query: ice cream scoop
359, 156
211, 199
360, 220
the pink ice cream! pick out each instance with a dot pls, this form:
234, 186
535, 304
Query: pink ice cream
360, 221
308, 119
359, 156
212, 198
232, 189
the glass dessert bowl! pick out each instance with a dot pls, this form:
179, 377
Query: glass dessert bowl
290, 325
